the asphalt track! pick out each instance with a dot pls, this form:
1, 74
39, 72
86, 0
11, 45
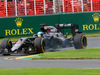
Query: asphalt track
12, 63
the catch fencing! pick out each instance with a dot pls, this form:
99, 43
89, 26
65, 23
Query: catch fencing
41, 7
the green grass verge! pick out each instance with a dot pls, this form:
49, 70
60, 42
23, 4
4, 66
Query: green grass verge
92, 34
11, 38
79, 53
50, 71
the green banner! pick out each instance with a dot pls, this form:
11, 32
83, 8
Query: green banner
88, 22
18, 26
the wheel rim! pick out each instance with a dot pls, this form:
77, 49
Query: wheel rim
84, 42
43, 45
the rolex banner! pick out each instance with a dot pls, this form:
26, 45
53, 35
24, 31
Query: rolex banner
88, 22
18, 26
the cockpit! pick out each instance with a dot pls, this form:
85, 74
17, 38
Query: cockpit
48, 29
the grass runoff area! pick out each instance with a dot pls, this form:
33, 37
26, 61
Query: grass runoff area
78, 53
92, 34
49, 71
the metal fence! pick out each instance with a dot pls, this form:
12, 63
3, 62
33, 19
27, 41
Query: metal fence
41, 7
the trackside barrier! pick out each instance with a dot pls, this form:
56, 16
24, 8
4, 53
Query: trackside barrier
17, 26
41, 7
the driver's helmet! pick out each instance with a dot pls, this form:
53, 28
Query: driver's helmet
40, 34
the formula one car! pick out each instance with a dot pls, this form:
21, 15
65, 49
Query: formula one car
28, 45
50, 37
54, 36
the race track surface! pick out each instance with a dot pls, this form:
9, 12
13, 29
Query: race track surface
92, 42
50, 64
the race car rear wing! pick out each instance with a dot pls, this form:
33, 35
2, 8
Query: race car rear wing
74, 28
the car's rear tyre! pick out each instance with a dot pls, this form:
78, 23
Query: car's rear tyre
80, 41
6, 45
39, 45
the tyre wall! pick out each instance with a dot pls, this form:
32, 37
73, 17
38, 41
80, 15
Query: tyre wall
18, 26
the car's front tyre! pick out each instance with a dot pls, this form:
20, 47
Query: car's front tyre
39, 44
6, 45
